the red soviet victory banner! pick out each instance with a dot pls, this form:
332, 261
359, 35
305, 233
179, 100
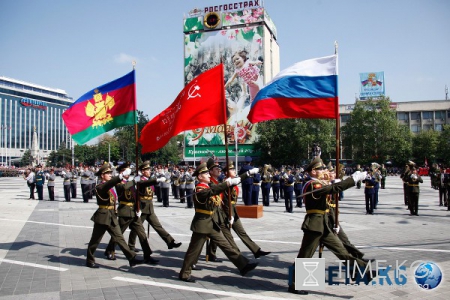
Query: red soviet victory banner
199, 104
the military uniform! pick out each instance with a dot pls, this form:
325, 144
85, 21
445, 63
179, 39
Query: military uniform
182, 187
85, 183
266, 177
413, 183
247, 184
148, 214
288, 191
298, 187
73, 183
66, 185
105, 219
383, 177
203, 226
40, 180
256, 188
316, 225
276, 186
189, 188
175, 177
51, 185
369, 193
127, 216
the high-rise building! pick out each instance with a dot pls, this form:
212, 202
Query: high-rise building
26, 107
243, 37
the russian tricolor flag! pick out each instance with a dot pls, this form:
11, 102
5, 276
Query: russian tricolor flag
307, 89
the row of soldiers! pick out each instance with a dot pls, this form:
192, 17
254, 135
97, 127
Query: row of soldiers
215, 213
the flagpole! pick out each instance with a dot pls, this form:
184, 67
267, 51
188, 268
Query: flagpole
225, 132
338, 135
138, 202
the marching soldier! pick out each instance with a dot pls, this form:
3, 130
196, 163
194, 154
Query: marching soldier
40, 180
316, 226
442, 188
369, 192
203, 225
66, 184
51, 184
256, 188
265, 185
165, 187
129, 215
190, 186
105, 218
247, 184
148, 213
276, 186
383, 176
182, 187
288, 190
414, 191
73, 182
298, 186
85, 183
175, 177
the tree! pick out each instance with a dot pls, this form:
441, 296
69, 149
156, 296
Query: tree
425, 145
444, 144
26, 158
289, 141
373, 133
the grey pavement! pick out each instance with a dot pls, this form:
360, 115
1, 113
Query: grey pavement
43, 250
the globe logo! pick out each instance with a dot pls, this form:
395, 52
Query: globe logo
428, 275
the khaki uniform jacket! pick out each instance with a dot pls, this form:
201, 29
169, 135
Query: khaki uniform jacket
206, 202
106, 198
316, 203
125, 194
146, 195
414, 184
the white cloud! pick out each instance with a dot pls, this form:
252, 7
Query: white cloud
124, 58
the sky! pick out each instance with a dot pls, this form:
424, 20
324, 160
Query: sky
79, 45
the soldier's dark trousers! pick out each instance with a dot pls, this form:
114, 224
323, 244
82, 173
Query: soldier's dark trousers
40, 191
73, 189
370, 203
442, 196
165, 196
265, 195
276, 193
255, 194
51, 193
299, 200
247, 193
153, 220
66, 192
189, 198
32, 186
182, 195
288, 197
85, 192
158, 193
414, 203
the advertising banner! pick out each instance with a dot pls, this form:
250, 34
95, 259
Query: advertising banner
241, 50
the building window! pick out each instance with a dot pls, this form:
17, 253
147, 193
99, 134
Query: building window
345, 118
427, 127
415, 115
427, 115
439, 115
402, 116
415, 128
438, 127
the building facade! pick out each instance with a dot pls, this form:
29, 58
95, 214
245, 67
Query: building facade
26, 108
418, 115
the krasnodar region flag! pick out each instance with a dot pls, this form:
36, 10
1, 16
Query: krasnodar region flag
308, 89
102, 109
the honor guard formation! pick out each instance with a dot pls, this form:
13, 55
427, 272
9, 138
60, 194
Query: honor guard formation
125, 196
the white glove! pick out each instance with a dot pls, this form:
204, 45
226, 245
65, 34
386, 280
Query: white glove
138, 214
231, 221
253, 171
336, 229
161, 179
233, 181
358, 176
121, 176
137, 179
127, 172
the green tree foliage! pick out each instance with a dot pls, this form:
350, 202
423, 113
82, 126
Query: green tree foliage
26, 158
425, 144
444, 144
373, 134
289, 141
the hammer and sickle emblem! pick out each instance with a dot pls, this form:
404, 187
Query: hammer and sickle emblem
192, 93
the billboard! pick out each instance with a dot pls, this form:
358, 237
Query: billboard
242, 52
371, 85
